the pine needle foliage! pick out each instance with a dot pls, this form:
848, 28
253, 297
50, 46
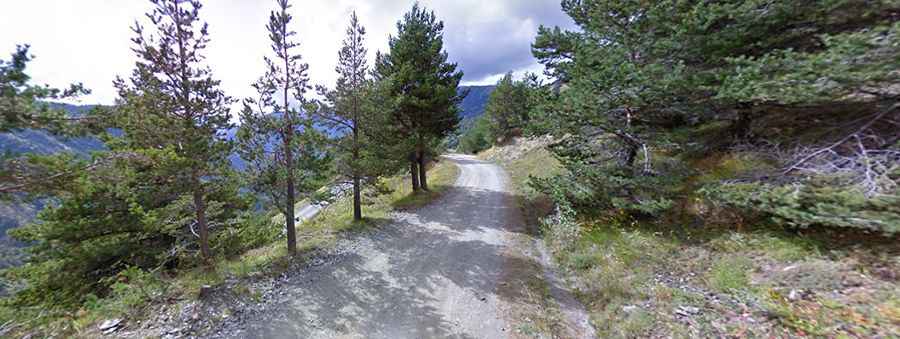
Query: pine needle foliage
809, 84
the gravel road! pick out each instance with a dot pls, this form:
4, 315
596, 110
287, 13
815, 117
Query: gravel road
430, 273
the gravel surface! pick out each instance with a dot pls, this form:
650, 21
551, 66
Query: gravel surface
431, 273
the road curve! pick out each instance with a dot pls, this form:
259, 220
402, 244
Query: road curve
431, 273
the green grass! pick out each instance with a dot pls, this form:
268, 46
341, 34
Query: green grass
638, 322
731, 165
730, 274
614, 263
440, 178
770, 242
607, 261
539, 163
614, 268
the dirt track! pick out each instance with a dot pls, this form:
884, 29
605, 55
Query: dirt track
433, 273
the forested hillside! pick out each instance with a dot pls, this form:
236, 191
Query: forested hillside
43, 142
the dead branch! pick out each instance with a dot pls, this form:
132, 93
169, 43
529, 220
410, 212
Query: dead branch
796, 165
22, 182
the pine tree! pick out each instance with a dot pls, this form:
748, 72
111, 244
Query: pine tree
507, 108
173, 102
277, 139
345, 109
125, 211
423, 87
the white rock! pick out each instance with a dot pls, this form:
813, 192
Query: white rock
111, 323
686, 311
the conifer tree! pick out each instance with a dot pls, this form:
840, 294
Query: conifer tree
345, 109
174, 103
507, 108
423, 87
276, 138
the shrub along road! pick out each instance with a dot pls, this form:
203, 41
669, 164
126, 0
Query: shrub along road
441, 271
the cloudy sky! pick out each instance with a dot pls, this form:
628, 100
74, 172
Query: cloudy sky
88, 40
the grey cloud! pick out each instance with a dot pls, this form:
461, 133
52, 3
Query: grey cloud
485, 49
485, 37
484, 45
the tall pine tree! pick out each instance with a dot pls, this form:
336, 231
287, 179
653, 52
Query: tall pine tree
173, 102
276, 138
345, 109
423, 87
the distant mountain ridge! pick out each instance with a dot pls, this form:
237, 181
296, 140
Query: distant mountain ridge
475, 102
42, 142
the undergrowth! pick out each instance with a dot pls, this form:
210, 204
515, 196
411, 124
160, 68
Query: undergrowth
702, 270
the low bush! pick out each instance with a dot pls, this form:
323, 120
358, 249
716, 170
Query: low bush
809, 204
477, 138
251, 230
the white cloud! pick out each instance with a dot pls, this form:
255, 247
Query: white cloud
89, 40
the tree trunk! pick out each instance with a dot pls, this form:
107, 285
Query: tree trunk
289, 215
630, 156
291, 198
743, 127
200, 209
414, 173
288, 152
357, 200
423, 169
648, 163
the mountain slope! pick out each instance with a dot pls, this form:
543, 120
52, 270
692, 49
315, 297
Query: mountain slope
42, 142
475, 102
